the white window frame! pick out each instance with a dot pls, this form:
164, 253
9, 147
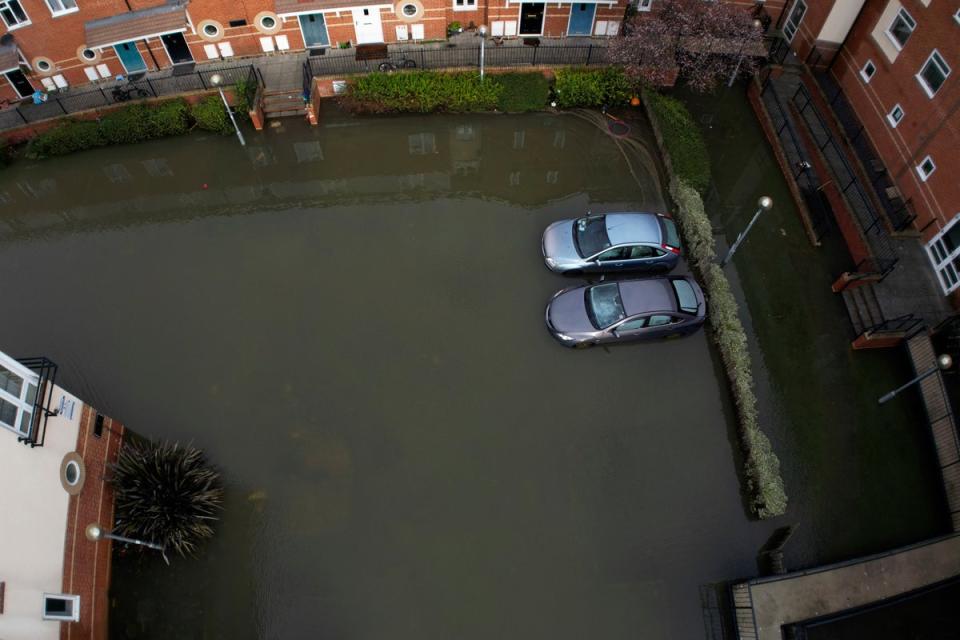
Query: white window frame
956, 16
30, 379
892, 119
868, 76
908, 19
795, 26
942, 261
923, 173
468, 5
938, 60
63, 10
19, 3
75, 610
644, 5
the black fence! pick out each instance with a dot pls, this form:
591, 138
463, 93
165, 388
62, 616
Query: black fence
343, 62
899, 211
112, 92
847, 181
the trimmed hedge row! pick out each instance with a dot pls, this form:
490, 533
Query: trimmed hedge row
133, 123
765, 488
592, 87
681, 137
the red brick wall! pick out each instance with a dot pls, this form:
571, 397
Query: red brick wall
86, 564
930, 126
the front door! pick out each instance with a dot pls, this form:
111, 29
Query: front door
130, 57
581, 19
531, 18
20, 83
177, 48
314, 30
366, 22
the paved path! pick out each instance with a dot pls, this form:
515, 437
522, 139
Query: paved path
831, 589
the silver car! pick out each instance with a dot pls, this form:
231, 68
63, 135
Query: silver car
655, 307
611, 242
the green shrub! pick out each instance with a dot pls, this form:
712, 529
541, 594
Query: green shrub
67, 137
422, 92
245, 91
210, 115
521, 91
592, 87
683, 140
171, 118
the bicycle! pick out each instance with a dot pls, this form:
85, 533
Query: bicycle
404, 63
128, 91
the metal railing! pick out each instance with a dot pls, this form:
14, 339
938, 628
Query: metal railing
899, 211
47, 372
64, 103
804, 175
343, 61
847, 181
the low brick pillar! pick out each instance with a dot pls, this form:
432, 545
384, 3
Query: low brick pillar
868, 340
848, 280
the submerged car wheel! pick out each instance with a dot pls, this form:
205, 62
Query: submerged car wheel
583, 345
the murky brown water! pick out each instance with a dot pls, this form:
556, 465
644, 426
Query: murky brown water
349, 319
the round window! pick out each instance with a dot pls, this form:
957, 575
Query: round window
89, 54
43, 65
211, 30
267, 22
72, 473
409, 9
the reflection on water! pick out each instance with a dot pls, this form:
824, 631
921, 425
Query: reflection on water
349, 319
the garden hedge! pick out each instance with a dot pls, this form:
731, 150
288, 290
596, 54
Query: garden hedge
209, 115
521, 91
421, 92
606, 86
681, 137
764, 485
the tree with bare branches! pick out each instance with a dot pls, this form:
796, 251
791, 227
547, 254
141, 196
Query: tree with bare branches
701, 42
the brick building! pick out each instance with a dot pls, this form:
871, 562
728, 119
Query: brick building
894, 60
51, 44
53, 454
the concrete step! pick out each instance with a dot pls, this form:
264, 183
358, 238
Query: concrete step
853, 311
285, 114
862, 307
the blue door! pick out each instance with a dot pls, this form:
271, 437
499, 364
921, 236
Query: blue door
581, 19
314, 30
130, 57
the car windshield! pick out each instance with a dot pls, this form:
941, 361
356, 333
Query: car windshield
670, 236
685, 296
590, 235
604, 306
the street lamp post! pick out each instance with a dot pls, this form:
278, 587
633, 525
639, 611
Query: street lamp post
764, 204
944, 362
94, 533
483, 39
756, 25
216, 80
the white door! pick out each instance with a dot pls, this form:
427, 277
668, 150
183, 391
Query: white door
366, 22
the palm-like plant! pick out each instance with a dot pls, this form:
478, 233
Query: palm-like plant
165, 493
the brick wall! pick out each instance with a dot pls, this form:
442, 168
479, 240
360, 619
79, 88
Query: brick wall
930, 125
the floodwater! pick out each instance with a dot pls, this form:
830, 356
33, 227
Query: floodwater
349, 320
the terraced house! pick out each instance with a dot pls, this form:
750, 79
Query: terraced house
53, 44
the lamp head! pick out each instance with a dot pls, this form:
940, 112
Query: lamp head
766, 203
216, 79
483, 30
757, 23
944, 361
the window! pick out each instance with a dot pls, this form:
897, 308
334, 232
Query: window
18, 391
632, 325
13, 14
590, 235
71, 473
945, 254
268, 22
925, 168
464, 5
238, 23
59, 7
901, 28
659, 321
933, 73
211, 30
895, 116
58, 606
868, 70
616, 253
644, 5
642, 252
793, 22
89, 54
409, 9
685, 295
956, 16
604, 306
43, 65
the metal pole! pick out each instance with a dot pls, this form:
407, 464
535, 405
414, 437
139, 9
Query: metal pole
232, 119
922, 376
483, 39
764, 205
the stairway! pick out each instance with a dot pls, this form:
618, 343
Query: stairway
283, 103
862, 307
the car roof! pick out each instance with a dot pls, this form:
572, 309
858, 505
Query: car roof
628, 228
647, 295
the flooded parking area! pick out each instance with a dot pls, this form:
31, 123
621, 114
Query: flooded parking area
349, 320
